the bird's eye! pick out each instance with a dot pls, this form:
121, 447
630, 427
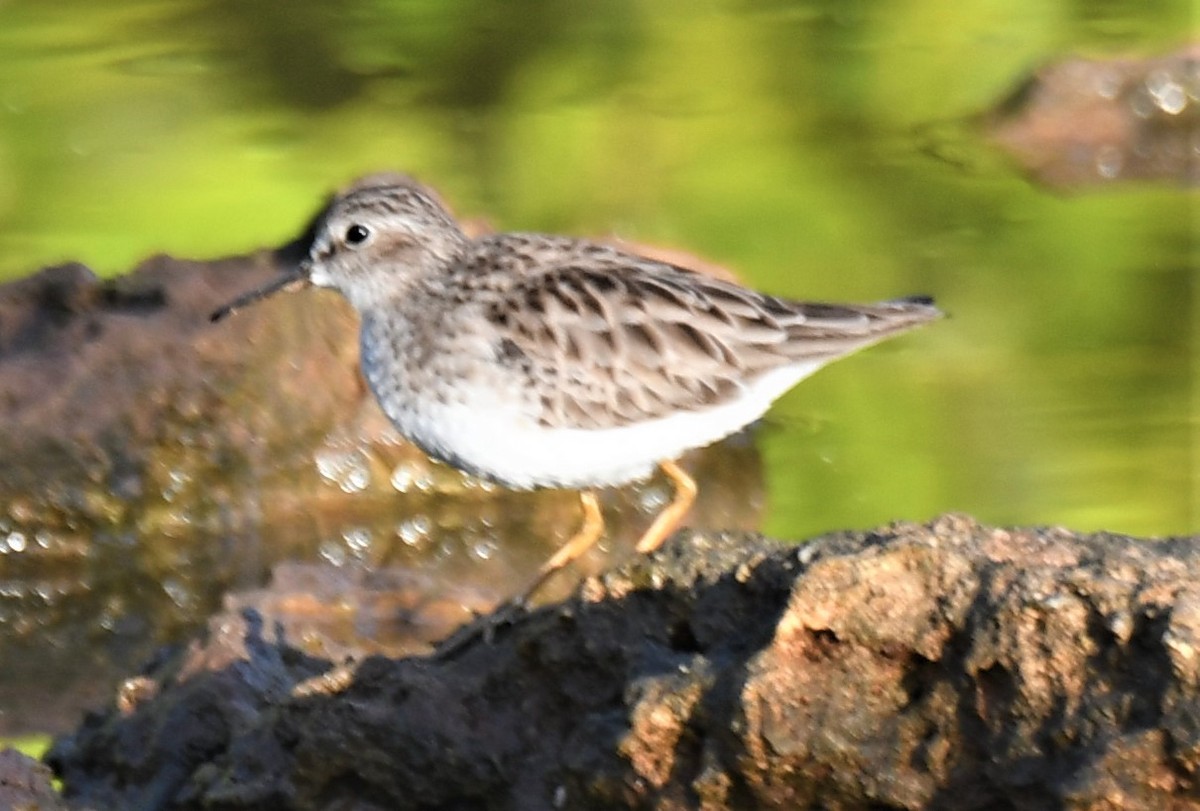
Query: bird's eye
357, 234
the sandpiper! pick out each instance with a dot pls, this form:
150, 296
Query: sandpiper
546, 361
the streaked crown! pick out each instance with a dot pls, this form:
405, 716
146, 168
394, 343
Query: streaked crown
379, 235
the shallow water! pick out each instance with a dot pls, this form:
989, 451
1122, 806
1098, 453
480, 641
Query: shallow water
824, 150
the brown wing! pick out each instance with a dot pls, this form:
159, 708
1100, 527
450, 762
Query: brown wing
607, 346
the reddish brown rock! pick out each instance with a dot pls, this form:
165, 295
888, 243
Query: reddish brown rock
953, 666
136, 448
1083, 122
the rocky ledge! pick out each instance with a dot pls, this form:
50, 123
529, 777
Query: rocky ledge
951, 666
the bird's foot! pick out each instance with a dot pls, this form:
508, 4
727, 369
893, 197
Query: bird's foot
482, 628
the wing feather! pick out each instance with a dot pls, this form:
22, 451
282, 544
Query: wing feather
611, 339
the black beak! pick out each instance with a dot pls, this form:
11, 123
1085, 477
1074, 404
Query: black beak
289, 282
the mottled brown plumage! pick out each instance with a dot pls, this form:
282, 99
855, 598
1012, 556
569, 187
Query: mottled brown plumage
654, 339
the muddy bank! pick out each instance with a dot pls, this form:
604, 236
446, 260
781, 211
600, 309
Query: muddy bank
952, 666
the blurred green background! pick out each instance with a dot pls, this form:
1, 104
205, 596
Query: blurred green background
818, 148
823, 149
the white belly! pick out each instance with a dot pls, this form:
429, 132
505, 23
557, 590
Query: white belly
491, 437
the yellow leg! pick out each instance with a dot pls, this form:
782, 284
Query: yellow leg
668, 520
580, 542
484, 627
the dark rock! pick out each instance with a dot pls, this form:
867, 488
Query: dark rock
953, 666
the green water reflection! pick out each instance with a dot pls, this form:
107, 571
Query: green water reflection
811, 146
822, 149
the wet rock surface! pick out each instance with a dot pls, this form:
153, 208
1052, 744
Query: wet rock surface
1083, 122
154, 462
952, 666
138, 458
